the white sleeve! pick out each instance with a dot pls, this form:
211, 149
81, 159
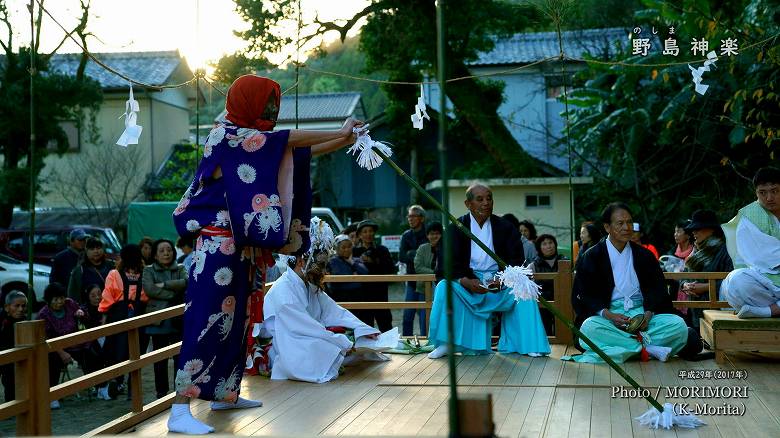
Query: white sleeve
335, 315
305, 350
758, 250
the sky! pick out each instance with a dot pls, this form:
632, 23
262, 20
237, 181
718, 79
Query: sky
153, 25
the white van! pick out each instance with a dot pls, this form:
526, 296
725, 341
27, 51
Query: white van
328, 216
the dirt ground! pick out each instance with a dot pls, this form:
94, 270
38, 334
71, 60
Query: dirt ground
80, 413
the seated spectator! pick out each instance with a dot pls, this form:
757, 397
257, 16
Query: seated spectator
121, 300
636, 237
547, 261
425, 263
711, 256
343, 263
683, 241
14, 310
93, 269
589, 236
94, 317
164, 282
617, 280
754, 244
529, 249
62, 316
379, 262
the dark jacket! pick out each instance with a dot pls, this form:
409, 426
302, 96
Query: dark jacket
507, 244
345, 291
541, 266
593, 283
410, 241
62, 265
381, 264
86, 274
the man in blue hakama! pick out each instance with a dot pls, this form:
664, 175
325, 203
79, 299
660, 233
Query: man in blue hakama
473, 304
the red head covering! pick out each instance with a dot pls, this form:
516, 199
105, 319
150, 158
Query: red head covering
253, 102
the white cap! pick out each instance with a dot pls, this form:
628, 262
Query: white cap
636, 226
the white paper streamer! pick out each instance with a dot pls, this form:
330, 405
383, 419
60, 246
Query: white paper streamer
669, 418
518, 280
419, 110
132, 131
698, 72
367, 158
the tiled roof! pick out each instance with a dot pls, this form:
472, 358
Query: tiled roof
321, 106
530, 47
154, 68
315, 107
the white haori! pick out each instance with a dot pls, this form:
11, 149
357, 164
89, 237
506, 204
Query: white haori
296, 317
626, 281
758, 250
480, 260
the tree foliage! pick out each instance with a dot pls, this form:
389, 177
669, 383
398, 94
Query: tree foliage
399, 41
57, 97
650, 140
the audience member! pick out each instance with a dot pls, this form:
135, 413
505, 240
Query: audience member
343, 263
589, 237
186, 245
14, 310
63, 263
547, 261
62, 316
425, 263
146, 250
411, 239
711, 256
164, 282
636, 237
378, 261
92, 269
529, 249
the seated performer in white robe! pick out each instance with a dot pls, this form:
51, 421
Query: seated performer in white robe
296, 314
753, 242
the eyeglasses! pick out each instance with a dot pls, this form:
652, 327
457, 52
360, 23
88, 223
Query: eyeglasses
413, 215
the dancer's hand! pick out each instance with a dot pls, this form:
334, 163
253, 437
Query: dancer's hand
620, 320
349, 124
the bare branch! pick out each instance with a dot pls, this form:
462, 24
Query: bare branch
343, 29
5, 19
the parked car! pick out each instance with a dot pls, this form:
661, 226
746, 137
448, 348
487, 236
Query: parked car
328, 216
49, 241
13, 276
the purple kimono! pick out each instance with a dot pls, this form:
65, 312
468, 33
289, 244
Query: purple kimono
250, 206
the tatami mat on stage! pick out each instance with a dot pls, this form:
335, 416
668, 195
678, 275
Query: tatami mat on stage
531, 397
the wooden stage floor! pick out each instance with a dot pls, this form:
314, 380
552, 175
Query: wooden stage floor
531, 397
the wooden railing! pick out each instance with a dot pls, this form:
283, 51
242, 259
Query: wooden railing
31, 356
33, 395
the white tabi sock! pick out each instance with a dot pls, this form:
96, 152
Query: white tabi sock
182, 421
754, 312
241, 403
440, 351
658, 352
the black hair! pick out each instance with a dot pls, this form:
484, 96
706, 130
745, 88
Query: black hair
93, 242
183, 241
130, 258
351, 228
512, 219
681, 225
606, 214
52, 291
159, 242
593, 231
766, 175
434, 226
542, 238
92, 286
531, 228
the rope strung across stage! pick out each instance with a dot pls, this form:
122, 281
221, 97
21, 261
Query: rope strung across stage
659, 415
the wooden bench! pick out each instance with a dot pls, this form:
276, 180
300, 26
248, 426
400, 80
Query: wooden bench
725, 332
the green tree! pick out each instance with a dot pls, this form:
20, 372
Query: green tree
399, 40
650, 140
57, 97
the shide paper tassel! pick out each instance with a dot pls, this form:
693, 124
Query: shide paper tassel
518, 280
669, 418
367, 158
